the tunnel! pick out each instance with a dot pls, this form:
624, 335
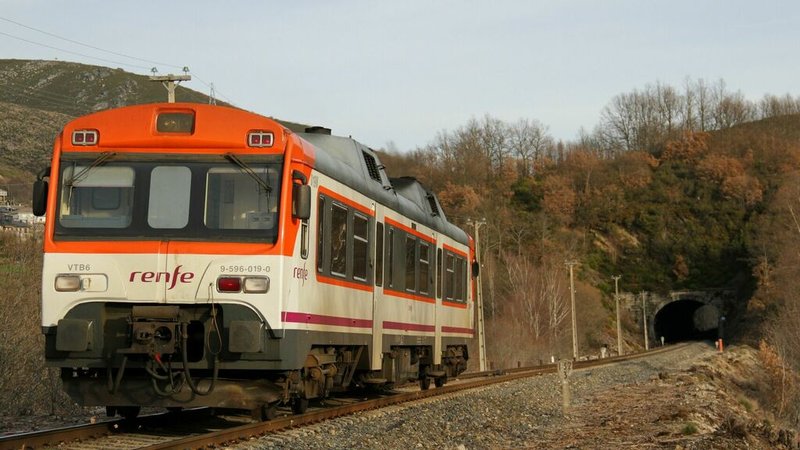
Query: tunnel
686, 320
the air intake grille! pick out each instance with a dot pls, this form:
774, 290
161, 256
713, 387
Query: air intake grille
432, 203
372, 166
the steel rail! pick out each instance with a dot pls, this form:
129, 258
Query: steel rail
245, 432
60, 436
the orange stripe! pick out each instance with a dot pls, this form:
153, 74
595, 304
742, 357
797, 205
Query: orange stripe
454, 304
456, 251
344, 283
409, 230
408, 295
342, 199
141, 247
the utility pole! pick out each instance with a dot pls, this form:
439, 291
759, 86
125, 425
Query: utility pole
571, 264
644, 321
619, 325
212, 100
479, 300
169, 82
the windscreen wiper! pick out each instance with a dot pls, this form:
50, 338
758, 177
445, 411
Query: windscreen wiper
249, 171
76, 177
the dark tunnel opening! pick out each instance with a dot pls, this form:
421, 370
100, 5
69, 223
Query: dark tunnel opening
686, 320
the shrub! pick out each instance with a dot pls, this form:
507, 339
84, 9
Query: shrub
27, 386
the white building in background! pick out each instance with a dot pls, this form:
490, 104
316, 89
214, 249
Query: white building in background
26, 219
3, 195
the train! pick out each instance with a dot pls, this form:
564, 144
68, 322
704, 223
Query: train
206, 256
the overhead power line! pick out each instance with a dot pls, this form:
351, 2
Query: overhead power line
89, 45
71, 52
48, 98
93, 47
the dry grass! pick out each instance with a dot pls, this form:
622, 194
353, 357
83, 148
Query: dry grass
26, 385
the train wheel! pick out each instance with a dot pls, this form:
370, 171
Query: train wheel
129, 412
299, 405
424, 383
440, 381
265, 412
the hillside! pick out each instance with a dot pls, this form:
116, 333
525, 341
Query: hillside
698, 211
77, 89
38, 97
26, 140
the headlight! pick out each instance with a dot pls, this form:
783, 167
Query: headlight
68, 283
256, 285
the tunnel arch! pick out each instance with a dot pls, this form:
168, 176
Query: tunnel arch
686, 320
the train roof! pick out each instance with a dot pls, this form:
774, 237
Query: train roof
359, 167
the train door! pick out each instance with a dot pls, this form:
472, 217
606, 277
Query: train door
168, 209
377, 293
438, 312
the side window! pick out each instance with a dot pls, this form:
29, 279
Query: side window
439, 272
449, 276
360, 246
338, 244
379, 254
424, 268
464, 279
458, 287
321, 234
411, 263
390, 259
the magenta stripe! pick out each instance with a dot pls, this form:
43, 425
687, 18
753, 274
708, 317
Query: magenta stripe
446, 329
408, 326
318, 319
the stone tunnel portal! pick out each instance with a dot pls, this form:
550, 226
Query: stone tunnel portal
686, 320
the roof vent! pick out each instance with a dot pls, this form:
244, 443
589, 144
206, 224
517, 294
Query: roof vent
433, 205
318, 130
372, 166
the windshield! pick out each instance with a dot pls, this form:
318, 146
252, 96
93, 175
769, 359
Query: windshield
204, 199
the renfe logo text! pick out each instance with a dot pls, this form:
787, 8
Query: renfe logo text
157, 277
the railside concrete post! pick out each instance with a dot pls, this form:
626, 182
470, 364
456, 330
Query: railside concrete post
571, 264
644, 321
564, 371
619, 323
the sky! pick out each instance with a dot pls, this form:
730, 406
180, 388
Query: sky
396, 74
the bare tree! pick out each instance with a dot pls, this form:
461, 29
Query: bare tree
529, 142
733, 109
554, 297
704, 100
524, 287
617, 129
670, 108
774, 106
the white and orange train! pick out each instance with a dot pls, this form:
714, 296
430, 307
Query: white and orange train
198, 255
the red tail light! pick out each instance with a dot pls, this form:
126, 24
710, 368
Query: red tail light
85, 137
229, 284
260, 139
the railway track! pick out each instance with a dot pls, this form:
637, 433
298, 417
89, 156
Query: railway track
198, 428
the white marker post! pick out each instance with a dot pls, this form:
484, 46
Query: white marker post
564, 370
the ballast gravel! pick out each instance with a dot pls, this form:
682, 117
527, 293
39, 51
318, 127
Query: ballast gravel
521, 413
